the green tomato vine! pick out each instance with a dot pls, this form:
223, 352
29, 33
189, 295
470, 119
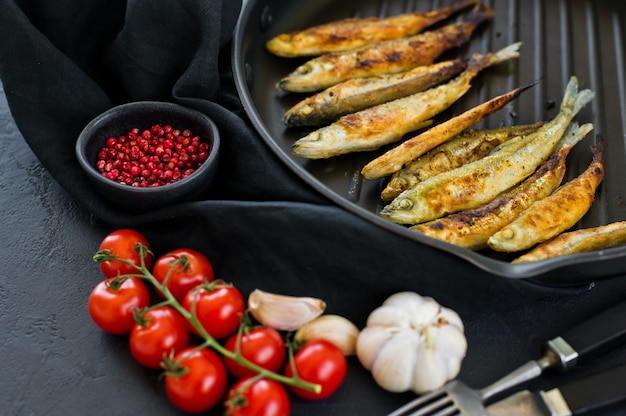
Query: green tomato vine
169, 364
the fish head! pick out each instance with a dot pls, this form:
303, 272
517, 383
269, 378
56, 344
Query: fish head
509, 238
400, 210
312, 146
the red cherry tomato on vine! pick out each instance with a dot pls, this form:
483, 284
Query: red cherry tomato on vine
219, 308
262, 345
122, 244
263, 397
111, 307
319, 362
190, 268
164, 330
202, 385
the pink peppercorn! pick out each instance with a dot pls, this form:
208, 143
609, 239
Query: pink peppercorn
151, 157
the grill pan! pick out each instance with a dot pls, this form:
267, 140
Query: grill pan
560, 38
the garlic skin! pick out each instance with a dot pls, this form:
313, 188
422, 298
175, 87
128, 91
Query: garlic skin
412, 343
282, 312
334, 328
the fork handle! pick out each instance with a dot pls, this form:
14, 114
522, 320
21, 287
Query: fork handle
564, 351
594, 392
598, 331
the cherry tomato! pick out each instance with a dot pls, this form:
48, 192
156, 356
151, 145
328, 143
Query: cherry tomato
263, 397
203, 384
319, 362
111, 307
191, 268
262, 345
122, 244
164, 331
218, 308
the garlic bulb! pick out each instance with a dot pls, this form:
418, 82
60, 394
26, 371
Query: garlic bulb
282, 312
334, 328
412, 343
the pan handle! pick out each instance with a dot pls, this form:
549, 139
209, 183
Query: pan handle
563, 352
598, 331
596, 391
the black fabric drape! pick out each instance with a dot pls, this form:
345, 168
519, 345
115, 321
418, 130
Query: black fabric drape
63, 62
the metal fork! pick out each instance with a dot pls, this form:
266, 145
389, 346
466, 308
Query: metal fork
456, 398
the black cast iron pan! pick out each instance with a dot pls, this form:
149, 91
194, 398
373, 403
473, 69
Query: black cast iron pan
560, 39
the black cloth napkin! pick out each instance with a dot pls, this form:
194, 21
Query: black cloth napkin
63, 62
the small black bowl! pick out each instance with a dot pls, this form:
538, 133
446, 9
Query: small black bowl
120, 120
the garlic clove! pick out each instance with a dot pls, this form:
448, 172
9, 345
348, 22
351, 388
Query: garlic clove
282, 312
393, 359
370, 340
334, 328
430, 371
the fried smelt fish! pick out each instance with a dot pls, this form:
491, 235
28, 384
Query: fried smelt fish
352, 33
472, 228
553, 214
409, 150
386, 123
579, 241
477, 183
458, 151
385, 57
360, 93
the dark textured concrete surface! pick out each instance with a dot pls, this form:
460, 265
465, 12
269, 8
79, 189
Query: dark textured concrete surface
55, 361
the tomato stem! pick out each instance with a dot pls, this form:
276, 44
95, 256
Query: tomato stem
209, 341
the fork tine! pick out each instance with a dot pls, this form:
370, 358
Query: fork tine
424, 405
448, 411
440, 407
415, 403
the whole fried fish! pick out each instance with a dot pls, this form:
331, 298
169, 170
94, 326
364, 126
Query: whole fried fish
393, 160
477, 183
579, 241
353, 33
385, 123
360, 93
553, 214
458, 151
385, 57
472, 228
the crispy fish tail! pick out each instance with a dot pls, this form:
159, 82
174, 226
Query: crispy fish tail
574, 100
479, 62
351, 33
463, 149
394, 159
554, 214
387, 57
579, 241
472, 228
361, 93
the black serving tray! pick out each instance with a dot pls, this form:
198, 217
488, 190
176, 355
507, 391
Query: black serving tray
559, 39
